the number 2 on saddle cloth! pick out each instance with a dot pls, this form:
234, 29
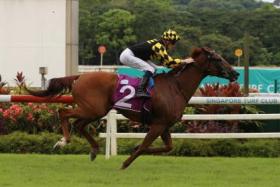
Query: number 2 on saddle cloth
124, 95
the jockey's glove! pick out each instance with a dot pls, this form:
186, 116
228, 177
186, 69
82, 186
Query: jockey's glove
188, 60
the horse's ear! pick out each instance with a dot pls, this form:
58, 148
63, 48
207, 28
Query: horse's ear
196, 52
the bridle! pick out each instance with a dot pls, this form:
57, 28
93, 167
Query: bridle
210, 55
205, 72
211, 60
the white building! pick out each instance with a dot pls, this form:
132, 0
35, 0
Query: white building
38, 33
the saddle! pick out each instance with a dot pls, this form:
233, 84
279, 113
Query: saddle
124, 95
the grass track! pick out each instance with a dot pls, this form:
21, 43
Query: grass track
33, 170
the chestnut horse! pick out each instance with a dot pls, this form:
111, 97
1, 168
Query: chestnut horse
92, 92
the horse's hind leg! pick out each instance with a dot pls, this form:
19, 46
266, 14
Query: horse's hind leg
81, 124
64, 115
154, 132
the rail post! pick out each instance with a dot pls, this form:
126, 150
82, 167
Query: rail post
113, 125
108, 136
111, 131
275, 86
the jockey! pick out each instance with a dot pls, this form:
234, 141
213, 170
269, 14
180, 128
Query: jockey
139, 56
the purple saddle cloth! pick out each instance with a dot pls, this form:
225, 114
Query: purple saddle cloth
124, 95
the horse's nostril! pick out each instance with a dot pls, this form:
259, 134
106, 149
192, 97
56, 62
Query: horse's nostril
235, 74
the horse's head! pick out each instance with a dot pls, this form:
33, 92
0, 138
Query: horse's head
211, 63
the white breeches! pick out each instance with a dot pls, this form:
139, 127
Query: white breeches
129, 59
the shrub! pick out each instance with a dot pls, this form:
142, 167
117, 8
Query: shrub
20, 82
3, 90
19, 142
29, 117
230, 90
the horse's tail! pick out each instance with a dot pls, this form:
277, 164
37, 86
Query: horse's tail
56, 86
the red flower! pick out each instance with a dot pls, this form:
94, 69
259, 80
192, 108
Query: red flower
30, 117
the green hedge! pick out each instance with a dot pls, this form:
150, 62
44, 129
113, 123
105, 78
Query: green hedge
215, 147
19, 142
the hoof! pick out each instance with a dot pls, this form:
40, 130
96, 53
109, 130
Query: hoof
124, 165
92, 156
61, 143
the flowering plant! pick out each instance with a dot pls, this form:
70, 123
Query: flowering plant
230, 90
29, 117
3, 90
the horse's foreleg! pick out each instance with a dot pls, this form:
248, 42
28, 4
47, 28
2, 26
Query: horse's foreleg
94, 145
166, 138
154, 132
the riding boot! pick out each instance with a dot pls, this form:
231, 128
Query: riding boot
141, 91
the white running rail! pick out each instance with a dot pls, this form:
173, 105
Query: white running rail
111, 134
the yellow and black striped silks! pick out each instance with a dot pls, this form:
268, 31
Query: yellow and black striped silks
160, 54
154, 50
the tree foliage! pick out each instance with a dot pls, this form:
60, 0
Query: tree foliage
115, 29
216, 23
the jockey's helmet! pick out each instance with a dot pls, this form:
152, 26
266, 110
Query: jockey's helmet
170, 35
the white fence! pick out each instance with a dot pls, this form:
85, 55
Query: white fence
111, 134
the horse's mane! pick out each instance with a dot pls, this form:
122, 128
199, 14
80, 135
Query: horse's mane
180, 68
174, 71
195, 53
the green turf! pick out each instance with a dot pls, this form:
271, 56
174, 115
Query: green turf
147, 171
